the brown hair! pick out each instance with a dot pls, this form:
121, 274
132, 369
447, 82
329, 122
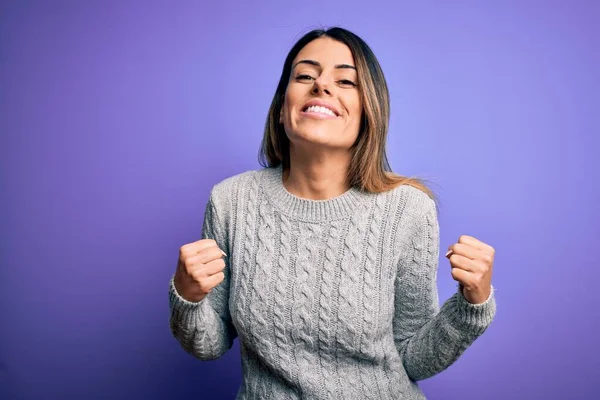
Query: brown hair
369, 167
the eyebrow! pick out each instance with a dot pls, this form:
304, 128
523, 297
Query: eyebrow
317, 64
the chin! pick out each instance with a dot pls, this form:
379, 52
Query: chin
316, 137
312, 144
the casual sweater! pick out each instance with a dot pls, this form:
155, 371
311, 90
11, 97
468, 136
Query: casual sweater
330, 299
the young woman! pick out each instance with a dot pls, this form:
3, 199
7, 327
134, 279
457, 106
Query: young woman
324, 262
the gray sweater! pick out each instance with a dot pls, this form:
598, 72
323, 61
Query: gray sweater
330, 299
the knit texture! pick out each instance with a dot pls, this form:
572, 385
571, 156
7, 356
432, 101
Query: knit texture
330, 299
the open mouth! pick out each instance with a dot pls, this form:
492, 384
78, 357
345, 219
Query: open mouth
320, 110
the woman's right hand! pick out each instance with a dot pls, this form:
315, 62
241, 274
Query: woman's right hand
199, 269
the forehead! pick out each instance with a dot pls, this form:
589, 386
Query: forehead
326, 51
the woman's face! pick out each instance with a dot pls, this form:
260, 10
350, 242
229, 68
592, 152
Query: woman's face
322, 102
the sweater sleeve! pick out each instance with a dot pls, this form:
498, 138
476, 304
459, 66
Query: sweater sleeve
204, 329
430, 339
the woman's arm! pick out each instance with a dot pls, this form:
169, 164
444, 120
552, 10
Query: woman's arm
428, 338
204, 328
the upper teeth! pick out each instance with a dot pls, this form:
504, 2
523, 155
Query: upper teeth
320, 109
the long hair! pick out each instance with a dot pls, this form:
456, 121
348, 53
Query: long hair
369, 168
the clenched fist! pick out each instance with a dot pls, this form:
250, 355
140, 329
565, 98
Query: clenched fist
199, 269
472, 263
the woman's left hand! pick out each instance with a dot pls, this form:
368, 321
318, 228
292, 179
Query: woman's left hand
472, 262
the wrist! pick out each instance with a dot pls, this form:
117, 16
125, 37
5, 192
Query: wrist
181, 291
476, 296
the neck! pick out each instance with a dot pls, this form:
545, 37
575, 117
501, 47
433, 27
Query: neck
317, 177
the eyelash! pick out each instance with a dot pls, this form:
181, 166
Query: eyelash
343, 81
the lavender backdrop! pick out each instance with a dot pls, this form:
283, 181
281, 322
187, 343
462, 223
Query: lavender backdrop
117, 117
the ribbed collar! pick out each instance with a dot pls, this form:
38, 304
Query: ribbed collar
271, 179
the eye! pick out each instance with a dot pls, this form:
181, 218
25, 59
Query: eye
347, 82
303, 77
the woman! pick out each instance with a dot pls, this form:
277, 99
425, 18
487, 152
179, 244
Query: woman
324, 262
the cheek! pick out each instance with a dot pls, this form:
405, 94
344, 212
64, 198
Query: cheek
357, 106
286, 111
291, 96
357, 112
353, 104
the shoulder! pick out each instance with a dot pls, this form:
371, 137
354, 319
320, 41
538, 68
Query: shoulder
224, 195
227, 191
415, 214
413, 202
226, 188
415, 218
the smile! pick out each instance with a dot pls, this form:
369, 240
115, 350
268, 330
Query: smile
319, 111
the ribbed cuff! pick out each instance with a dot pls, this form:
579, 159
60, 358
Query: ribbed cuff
475, 317
184, 311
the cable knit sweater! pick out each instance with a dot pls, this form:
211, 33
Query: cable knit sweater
330, 299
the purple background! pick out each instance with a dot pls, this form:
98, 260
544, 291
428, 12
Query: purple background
116, 119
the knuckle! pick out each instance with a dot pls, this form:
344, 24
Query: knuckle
185, 249
182, 253
198, 259
210, 242
189, 263
204, 287
195, 275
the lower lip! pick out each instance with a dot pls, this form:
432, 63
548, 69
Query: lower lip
317, 115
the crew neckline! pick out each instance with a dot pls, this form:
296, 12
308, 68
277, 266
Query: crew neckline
296, 207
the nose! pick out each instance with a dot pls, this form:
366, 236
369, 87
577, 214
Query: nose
321, 86
316, 90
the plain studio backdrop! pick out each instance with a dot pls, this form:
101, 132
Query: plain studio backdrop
117, 118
